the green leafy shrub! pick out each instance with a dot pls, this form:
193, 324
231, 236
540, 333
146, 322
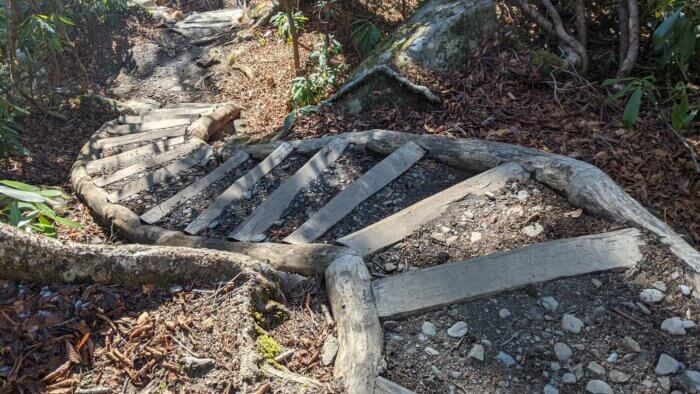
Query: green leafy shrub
365, 35
634, 89
682, 113
281, 23
9, 129
315, 86
26, 207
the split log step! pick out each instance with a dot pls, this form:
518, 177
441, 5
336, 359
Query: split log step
405, 222
133, 128
237, 190
346, 201
272, 208
158, 212
447, 284
142, 137
143, 165
138, 119
180, 111
96, 166
160, 175
386, 386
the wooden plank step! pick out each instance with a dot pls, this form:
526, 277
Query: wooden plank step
96, 166
237, 189
190, 105
400, 225
142, 137
460, 281
272, 208
180, 111
160, 176
204, 25
132, 128
143, 165
160, 211
344, 202
136, 119
386, 386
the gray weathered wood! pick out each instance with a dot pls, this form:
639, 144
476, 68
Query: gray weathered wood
272, 208
360, 337
190, 105
430, 288
386, 386
96, 166
344, 202
143, 165
136, 119
159, 176
141, 137
179, 111
163, 209
237, 190
133, 128
404, 223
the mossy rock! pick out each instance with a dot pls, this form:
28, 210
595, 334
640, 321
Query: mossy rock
438, 38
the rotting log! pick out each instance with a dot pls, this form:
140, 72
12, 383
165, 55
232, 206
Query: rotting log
360, 337
584, 185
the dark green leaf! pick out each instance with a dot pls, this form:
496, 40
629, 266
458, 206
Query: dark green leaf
629, 117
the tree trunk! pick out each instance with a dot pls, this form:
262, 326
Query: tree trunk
632, 31
293, 32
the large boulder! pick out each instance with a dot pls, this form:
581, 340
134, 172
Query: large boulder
439, 37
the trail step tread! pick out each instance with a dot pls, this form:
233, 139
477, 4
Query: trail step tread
460, 281
179, 111
141, 137
347, 200
158, 212
138, 119
237, 190
143, 165
141, 127
405, 222
161, 175
154, 148
272, 208
385, 386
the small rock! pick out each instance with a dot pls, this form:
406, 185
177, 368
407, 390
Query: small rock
455, 374
422, 337
329, 350
667, 365
685, 290
549, 389
549, 303
490, 195
596, 386
438, 236
688, 324
651, 296
428, 329
691, 381
431, 351
612, 358
571, 323
533, 230
597, 283
197, 367
618, 377
643, 308
673, 326
569, 378
391, 325
504, 313
554, 366
562, 351
476, 352
458, 330
451, 239
176, 289
390, 267
475, 236
523, 195
506, 359
214, 224
596, 369
631, 345
661, 286
664, 382
247, 195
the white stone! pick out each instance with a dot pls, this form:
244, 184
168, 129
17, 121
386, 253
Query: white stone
618, 377
571, 323
458, 330
506, 359
431, 351
687, 324
691, 381
673, 326
667, 365
329, 350
562, 351
612, 358
476, 352
504, 313
596, 369
569, 378
597, 283
549, 389
523, 195
685, 290
596, 386
651, 296
550, 303
475, 236
533, 230
428, 329
659, 285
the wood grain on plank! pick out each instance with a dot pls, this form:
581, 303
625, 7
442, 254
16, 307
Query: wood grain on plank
179, 111
237, 190
145, 164
156, 147
344, 202
143, 126
442, 285
158, 212
135, 119
159, 176
272, 208
141, 137
400, 225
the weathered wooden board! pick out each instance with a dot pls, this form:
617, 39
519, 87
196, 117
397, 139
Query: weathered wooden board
386, 386
158, 212
133, 128
159, 176
136, 119
179, 111
403, 223
430, 288
96, 166
143, 165
344, 202
237, 189
272, 208
141, 137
